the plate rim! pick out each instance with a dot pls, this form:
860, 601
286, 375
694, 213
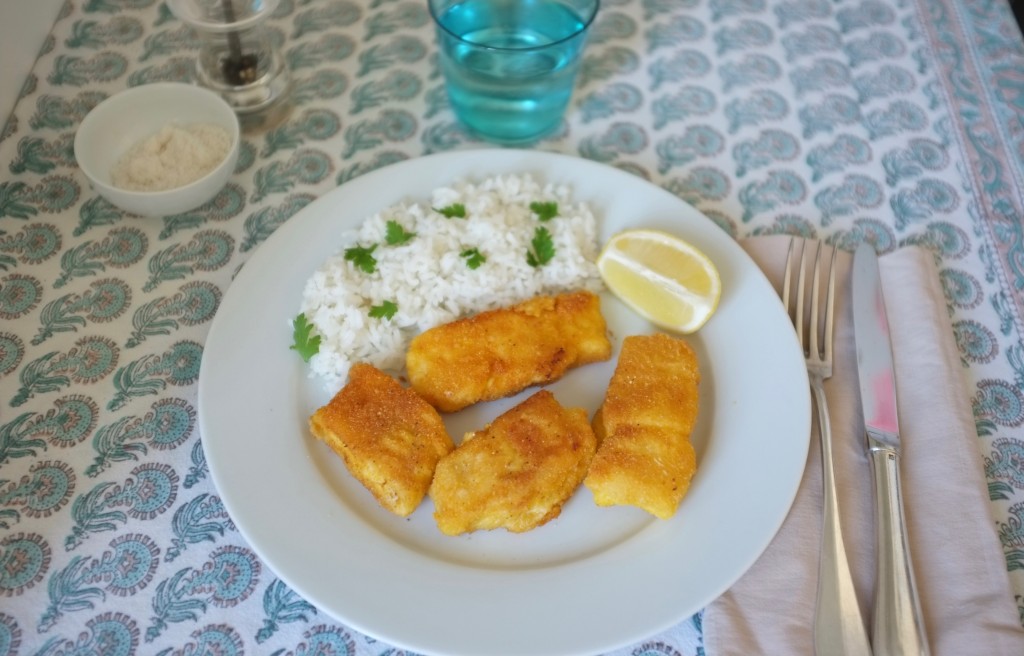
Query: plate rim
507, 160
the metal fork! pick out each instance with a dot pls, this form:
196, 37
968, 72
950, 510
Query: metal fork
838, 625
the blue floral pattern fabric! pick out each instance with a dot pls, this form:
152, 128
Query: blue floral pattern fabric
894, 122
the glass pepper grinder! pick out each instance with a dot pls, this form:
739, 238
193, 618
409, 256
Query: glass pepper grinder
237, 57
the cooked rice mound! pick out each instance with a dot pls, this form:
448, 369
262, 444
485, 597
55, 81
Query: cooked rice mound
428, 277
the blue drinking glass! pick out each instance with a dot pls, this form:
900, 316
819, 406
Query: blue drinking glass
510, 65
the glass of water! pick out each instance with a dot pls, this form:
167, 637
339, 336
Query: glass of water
510, 65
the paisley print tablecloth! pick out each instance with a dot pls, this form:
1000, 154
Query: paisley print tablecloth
892, 121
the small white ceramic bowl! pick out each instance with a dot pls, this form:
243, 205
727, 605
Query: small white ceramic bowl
125, 119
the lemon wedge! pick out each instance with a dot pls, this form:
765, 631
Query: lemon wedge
666, 280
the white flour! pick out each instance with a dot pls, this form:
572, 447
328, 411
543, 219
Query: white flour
171, 158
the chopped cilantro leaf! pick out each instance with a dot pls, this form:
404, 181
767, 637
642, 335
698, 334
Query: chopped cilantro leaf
474, 258
385, 310
396, 234
362, 258
543, 248
306, 343
455, 210
544, 211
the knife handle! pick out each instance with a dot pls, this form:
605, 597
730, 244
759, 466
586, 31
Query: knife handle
898, 626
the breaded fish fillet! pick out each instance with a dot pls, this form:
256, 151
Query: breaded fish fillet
645, 457
389, 438
500, 352
515, 473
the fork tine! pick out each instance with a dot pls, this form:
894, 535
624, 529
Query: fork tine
815, 303
787, 278
798, 319
830, 306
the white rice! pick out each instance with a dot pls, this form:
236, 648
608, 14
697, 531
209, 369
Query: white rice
428, 279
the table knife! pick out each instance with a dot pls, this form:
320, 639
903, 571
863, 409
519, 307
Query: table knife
898, 628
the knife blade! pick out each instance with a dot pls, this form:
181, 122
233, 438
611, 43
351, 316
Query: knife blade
898, 627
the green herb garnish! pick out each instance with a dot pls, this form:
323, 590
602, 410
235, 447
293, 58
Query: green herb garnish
544, 211
385, 310
543, 248
474, 258
396, 234
306, 343
362, 258
455, 210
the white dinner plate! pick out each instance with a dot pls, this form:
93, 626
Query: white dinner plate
591, 580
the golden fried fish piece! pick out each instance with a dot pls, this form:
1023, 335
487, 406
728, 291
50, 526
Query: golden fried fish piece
645, 457
389, 438
500, 352
515, 473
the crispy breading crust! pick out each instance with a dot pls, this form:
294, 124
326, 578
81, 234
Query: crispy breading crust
517, 472
389, 438
500, 352
645, 457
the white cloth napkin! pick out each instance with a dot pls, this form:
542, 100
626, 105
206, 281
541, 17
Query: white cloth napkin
961, 572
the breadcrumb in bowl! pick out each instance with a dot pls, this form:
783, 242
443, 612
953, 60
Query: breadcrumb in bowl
138, 117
